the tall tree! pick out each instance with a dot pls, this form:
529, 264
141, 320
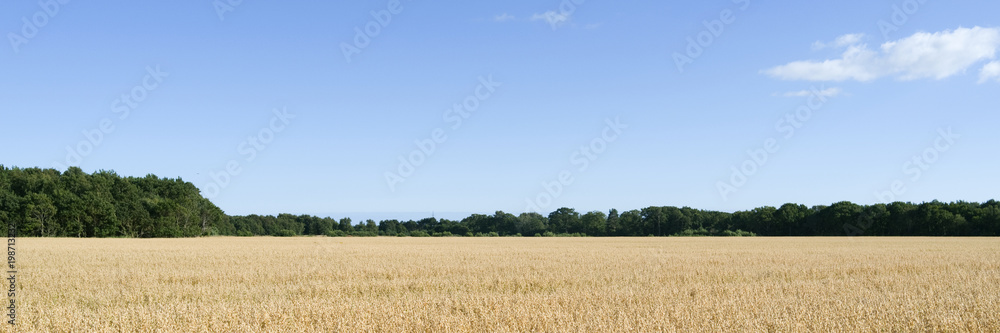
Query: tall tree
504, 223
345, 224
594, 223
613, 223
788, 219
531, 223
653, 220
39, 213
565, 220
632, 224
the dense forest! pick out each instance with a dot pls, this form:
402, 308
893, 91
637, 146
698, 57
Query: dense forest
46, 202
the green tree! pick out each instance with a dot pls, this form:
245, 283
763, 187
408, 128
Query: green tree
614, 227
565, 220
933, 219
834, 218
213, 221
674, 220
389, 227
873, 221
632, 224
594, 223
531, 223
371, 227
504, 223
39, 213
764, 222
99, 206
653, 220
479, 223
901, 221
987, 222
10, 203
345, 225
789, 218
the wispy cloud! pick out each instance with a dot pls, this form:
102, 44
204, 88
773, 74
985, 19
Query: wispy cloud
990, 72
829, 92
842, 41
504, 18
554, 18
923, 55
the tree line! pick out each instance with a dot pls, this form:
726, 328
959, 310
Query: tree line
46, 202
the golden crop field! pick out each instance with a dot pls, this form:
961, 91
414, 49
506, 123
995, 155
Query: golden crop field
508, 284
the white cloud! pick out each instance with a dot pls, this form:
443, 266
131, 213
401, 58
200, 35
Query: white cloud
504, 17
554, 18
990, 71
842, 41
829, 92
922, 55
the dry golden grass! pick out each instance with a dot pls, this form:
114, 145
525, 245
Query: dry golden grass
509, 284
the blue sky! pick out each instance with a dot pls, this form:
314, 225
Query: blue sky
587, 104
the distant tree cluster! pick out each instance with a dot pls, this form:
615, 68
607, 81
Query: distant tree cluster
45, 202
75, 204
840, 219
